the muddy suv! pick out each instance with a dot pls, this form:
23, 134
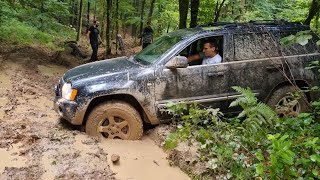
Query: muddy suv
113, 98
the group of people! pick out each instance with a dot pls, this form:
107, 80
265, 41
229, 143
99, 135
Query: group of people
95, 39
210, 49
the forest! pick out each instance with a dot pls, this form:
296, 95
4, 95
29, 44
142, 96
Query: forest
256, 143
51, 22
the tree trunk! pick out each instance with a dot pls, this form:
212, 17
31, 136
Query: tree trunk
117, 24
108, 29
88, 16
218, 10
95, 10
314, 9
71, 7
103, 22
136, 4
317, 20
194, 13
183, 12
142, 15
41, 11
80, 20
160, 10
242, 9
124, 26
151, 11
75, 13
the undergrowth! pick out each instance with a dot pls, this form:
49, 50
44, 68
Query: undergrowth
255, 144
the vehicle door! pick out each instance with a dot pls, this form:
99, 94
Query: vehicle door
256, 64
203, 84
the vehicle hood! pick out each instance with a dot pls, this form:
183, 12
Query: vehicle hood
99, 68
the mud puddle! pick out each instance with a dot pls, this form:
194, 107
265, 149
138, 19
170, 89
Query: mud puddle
141, 160
10, 158
52, 70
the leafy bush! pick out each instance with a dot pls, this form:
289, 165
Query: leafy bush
256, 143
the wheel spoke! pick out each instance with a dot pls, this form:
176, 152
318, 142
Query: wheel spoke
122, 135
103, 129
285, 101
281, 111
111, 119
111, 136
295, 102
122, 124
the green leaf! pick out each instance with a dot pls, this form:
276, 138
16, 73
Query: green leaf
259, 169
315, 172
270, 137
259, 156
318, 43
303, 40
314, 157
171, 141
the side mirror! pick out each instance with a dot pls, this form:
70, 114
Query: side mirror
177, 62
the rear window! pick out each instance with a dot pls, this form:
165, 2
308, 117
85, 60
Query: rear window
255, 46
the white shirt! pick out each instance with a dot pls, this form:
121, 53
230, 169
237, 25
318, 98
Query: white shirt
213, 60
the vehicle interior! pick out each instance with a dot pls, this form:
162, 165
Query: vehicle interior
197, 46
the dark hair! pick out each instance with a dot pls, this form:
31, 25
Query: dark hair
95, 21
148, 29
212, 44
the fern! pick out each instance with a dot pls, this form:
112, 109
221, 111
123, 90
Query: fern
257, 115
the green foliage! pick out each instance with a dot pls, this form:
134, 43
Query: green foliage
301, 38
34, 22
256, 143
16, 32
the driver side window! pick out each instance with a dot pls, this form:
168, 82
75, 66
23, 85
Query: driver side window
196, 49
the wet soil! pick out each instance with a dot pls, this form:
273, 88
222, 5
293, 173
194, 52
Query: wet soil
36, 144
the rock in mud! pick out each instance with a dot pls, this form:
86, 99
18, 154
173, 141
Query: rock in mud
115, 158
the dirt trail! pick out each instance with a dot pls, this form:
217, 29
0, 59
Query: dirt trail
36, 144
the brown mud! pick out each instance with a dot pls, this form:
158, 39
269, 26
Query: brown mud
36, 144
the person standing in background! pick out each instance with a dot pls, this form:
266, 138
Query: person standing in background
147, 36
94, 38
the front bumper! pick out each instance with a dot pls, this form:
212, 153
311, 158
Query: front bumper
68, 110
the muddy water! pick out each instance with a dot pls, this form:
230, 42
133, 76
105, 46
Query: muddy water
51, 70
10, 158
140, 160
5, 82
3, 102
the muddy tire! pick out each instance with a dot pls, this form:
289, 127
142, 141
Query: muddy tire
285, 104
115, 120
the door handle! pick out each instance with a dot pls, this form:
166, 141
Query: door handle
217, 74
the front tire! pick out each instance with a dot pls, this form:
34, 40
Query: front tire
285, 104
115, 120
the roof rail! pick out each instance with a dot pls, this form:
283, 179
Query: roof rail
216, 24
274, 22
252, 22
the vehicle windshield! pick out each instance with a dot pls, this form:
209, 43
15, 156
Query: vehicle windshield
151, 53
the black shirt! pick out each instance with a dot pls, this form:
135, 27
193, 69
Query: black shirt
94, 34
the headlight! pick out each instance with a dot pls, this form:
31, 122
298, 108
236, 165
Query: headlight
68, 93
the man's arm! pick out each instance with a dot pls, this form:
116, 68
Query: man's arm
193, 58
